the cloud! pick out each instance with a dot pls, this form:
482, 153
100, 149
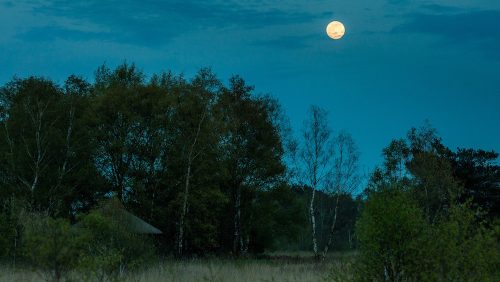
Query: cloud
152, 23
287, 42
49, 33
476, 29
463, 26
439, 8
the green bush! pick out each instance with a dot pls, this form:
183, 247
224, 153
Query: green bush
389, 232
458, 248
109, 249
97, 248
398, 244
50, 245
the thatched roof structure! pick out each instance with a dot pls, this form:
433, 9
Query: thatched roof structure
115, 210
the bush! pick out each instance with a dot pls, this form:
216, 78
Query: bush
389, 233
109, 248
398, 244
50, 245
458, 248
97, 247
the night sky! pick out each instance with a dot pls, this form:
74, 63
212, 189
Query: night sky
400, 62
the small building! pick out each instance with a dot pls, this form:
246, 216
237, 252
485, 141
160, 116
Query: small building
114, 209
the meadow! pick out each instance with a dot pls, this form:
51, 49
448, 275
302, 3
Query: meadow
278, 267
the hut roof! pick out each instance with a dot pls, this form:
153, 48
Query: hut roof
115, 210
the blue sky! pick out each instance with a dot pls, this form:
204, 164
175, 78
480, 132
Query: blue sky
400, 63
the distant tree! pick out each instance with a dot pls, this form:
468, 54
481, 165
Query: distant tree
479, 173
279, 219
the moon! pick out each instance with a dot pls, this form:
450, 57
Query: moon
335, 30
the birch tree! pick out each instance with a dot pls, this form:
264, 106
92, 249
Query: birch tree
344, 178
203, 90
316, 156
43, 143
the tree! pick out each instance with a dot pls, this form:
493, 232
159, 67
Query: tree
420, 161
116, 123
198, 134
28, 150
345, 178
479, 174
279, 219
414, 226
44, 145
251, 153
316, 157
328, 163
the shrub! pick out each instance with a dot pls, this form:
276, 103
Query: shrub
389, 232
109, 248
458, 248
50, 245
398, 244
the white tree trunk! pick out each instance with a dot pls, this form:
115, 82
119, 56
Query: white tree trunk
191, 157
313, 223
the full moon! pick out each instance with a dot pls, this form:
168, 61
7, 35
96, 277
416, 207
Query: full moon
335, 30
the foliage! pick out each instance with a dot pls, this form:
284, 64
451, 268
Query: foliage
51, 244
45, 146
417, 223
389, 232
7, 233
397, 244
458, 248
479, 173
279, 219
109, 248
205, 161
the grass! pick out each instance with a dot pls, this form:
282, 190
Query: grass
221, 270
272, 268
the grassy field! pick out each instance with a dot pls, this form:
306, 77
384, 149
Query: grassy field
271, 268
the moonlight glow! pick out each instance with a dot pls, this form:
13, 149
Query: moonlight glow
335, 30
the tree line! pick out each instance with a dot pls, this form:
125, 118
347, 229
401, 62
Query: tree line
217, 169
206, 163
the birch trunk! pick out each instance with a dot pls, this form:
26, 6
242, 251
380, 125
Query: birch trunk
313, 223
332, 229
183, 212
191, 157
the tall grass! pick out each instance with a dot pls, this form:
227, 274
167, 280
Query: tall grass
207, 270
226, 270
